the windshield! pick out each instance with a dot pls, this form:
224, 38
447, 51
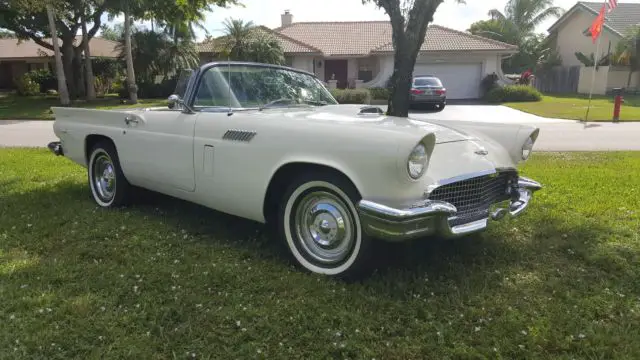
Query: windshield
247, 86
427, 81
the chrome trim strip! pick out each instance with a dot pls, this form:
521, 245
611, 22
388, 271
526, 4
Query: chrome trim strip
427, 208
465, 177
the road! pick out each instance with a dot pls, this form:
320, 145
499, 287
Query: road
555, 135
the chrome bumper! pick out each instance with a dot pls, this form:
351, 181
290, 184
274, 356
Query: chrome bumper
56, 148
429, 217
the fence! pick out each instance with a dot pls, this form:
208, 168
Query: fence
560, 79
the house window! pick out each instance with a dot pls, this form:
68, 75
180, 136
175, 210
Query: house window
288, 60
365, 75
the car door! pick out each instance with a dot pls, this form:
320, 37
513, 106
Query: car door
157, 148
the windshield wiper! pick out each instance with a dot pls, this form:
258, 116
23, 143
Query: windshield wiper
289, 101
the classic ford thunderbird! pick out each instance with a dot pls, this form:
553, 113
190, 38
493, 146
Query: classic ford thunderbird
270, 144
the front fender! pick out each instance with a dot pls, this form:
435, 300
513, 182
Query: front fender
510, 136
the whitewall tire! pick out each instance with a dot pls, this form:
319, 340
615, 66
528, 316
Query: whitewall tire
108, 185
320, 225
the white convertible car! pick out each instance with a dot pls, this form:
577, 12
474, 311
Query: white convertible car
271, 144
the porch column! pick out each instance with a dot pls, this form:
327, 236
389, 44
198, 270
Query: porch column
359, 84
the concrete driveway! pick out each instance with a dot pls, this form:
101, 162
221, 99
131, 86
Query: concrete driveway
555, 134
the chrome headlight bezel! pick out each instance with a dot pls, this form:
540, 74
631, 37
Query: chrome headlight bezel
527, 148
417, 161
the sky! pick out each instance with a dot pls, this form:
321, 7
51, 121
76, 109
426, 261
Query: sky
267, 12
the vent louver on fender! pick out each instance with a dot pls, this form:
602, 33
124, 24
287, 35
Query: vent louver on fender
239, 135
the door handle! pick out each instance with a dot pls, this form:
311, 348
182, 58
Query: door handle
130, 119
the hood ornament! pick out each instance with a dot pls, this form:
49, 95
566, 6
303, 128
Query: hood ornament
481, 152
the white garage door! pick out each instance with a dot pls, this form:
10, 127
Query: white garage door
462, 81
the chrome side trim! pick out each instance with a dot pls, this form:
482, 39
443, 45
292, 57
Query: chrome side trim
239, 135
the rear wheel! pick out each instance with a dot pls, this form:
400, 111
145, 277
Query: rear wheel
108, 185
441, 106
320, 225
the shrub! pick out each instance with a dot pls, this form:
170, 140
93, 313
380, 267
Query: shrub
25, 86
513, 93
488, 83
351, 96
149, 90
379, 93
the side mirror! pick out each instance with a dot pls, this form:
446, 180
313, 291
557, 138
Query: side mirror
173, 100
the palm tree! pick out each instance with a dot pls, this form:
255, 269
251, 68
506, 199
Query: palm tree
91, 90
238, 37
523, 16
628, 52
265, 48
62, 80
131, 76
517, 25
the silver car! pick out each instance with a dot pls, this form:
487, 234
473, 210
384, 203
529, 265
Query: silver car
428, 90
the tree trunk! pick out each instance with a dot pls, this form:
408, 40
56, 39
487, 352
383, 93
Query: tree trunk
404, 62
91, 90
131, 77
629, 78
62, 81
79, 72
67, 61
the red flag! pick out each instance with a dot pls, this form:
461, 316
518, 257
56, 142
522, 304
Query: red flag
612, 5
596, 26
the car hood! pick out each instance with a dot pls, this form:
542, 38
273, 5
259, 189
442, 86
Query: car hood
350, 115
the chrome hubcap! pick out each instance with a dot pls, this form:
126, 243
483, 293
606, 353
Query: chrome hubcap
104, 177
324, 227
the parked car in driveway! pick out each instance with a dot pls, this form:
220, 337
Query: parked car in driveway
270, 144
428, 90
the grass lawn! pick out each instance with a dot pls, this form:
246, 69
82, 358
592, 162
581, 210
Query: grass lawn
169, 280
574, 107
39, 107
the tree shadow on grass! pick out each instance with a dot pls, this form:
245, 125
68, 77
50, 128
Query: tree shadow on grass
499, 248
541, 255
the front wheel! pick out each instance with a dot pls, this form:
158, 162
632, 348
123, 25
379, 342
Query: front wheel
320, 224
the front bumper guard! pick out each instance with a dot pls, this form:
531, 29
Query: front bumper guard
429, 217
56, 148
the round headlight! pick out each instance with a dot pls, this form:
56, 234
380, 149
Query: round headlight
417, 163
526, 148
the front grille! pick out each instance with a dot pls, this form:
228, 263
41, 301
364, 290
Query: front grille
473, 197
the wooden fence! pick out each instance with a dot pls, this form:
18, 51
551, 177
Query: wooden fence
560, 79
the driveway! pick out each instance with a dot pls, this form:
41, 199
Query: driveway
555, 134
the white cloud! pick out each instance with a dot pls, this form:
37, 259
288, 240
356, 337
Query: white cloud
267, 12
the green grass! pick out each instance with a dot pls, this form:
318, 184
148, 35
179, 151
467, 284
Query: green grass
574, 107
165, 279
39, 107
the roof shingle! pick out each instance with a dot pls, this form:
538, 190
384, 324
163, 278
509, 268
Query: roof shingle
289, 45
14, 48
365, 37
621, 19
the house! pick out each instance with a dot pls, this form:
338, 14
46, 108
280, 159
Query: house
20, 56
571, 31
360, 54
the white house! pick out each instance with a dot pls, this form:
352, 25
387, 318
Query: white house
360, 54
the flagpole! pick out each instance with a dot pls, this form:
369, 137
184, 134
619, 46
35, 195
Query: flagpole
595, 66
593, 79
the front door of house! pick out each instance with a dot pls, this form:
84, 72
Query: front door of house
336, 69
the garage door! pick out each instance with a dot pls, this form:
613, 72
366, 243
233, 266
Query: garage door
462, 81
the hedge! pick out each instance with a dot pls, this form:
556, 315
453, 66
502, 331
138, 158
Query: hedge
513, 93
351, 96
